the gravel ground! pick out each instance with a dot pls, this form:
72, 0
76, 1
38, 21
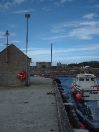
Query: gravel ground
29, 109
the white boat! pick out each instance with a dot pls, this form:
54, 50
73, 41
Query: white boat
85, 87
82, 106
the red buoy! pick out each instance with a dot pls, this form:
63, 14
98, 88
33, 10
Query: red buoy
78, 96
21, 75
82, 126
97, 88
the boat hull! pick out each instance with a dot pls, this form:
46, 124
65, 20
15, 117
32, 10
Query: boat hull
93, 126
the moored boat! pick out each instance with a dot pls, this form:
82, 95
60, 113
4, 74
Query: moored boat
85, 87
85, 92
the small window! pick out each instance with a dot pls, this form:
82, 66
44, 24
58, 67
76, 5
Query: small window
81, 79
77, 78
92, 79
87, 79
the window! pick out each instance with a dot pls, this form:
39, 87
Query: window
92, 79
81, 79
87, 79
77, 78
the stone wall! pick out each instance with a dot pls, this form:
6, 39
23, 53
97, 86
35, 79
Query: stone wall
10, 65
10, 79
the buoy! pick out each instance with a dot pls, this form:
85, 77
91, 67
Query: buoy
82, 126
97, 88
21, 75
78, 96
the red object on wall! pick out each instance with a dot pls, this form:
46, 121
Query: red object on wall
22, 75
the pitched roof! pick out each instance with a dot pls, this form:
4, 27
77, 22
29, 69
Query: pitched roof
13, 48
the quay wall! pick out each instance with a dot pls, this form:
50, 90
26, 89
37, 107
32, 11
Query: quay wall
63, 121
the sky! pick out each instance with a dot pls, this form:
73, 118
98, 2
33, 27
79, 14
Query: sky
72, 26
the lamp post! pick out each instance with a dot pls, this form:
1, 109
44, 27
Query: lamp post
51, 54
7, 35
27, 16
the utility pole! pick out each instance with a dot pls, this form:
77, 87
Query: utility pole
7, 35
51, 54
27, 16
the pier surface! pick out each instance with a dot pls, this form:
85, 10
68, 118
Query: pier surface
29, 109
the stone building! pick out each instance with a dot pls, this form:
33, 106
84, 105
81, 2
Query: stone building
12, 62
44, 65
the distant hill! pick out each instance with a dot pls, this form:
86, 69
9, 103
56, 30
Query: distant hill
94, 64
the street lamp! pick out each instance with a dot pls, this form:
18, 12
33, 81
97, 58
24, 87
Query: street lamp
51, 54
27, 16
7, 35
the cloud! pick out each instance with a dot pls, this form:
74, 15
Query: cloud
2, 37
23, 11
89, 23
97, 5
85, 29
42, 0
62, 27
3, 34
47, 51
6, 4
46, 8
19, 1
55, 37
89, 16
12, 26
80, 58
92, 47
61, 2
84, 32
15, 41
65, 54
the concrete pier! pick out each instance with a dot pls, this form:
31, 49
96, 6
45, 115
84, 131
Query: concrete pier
29, 109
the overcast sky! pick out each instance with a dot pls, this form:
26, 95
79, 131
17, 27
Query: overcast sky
72, 26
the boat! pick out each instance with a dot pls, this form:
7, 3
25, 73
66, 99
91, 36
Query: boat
85, 92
